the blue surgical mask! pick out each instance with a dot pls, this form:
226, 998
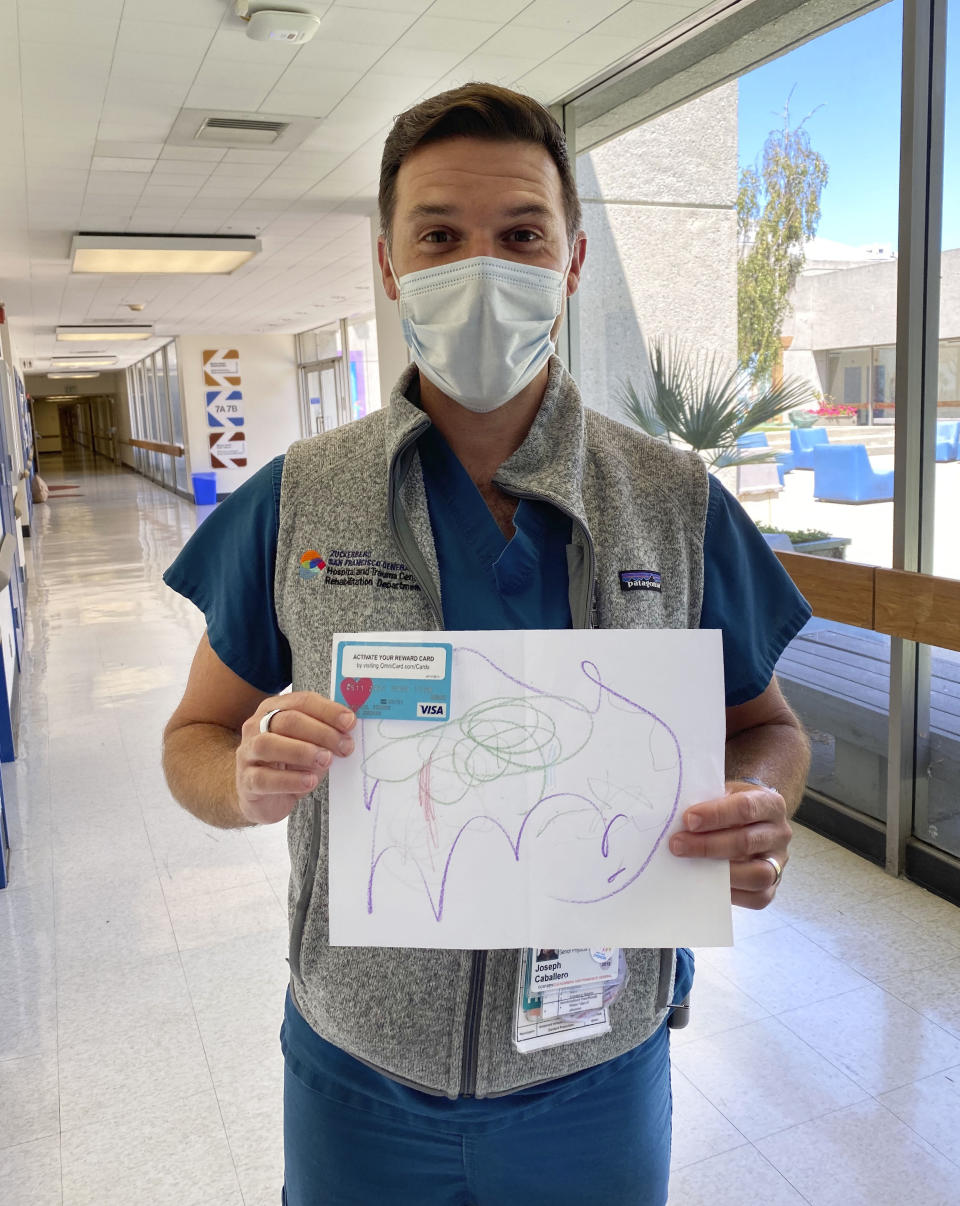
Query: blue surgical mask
479, 329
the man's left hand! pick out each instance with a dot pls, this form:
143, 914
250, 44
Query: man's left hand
746, 826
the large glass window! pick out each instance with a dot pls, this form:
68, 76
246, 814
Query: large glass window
363, 367
687, 221
937, 816
155, 414
176, 415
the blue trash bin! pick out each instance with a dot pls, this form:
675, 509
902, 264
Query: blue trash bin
204, 488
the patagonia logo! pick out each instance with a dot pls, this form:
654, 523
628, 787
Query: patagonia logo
639, 580
311, 563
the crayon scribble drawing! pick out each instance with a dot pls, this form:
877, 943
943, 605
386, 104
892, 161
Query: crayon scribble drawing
542, 802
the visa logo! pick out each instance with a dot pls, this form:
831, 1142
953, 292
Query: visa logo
432, 711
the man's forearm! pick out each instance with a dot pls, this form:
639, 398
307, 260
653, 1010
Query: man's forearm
778, 754
199, 761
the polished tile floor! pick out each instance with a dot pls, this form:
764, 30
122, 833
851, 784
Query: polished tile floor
142, 954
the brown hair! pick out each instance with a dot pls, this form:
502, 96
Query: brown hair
475, 111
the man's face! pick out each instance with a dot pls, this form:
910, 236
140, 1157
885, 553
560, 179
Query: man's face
467, 197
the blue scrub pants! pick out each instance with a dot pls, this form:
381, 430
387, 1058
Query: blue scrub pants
352, 1137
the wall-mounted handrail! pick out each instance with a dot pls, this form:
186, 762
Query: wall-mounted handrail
154, 446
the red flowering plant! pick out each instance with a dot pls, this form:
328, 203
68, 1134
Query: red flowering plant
828, 409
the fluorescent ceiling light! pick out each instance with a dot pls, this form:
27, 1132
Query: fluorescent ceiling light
81, 361
161, 253
98, 333
69, 376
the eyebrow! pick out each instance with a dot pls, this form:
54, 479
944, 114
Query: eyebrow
529, 210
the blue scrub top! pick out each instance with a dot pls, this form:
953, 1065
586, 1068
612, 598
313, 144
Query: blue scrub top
487, 582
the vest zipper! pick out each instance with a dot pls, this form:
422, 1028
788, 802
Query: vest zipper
414, 558
585, 613
471, 1026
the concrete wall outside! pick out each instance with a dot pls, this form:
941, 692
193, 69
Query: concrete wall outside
856, 307
660, 217
271, 400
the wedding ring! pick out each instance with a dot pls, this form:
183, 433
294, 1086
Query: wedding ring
265, 720
767, 858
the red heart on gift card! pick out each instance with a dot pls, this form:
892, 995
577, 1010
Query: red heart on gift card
356, 691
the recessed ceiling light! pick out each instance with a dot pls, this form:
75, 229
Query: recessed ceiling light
95, 334
211, 254
69, 376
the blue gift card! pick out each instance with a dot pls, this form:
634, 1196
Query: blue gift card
394, 680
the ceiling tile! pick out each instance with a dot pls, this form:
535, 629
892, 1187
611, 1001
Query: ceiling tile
230, 169
493, 10
386, 6
296, 104
515, 43
129, 130
145, 94
162, 38
233, 45
190, 154
328, 85
110, 164
552, 80
136, 150
638, 22
239, 96
205, 13
430, 64
326, 52
68, 25
125, 184
444, 33
180, 171
255, 155
342, 24
571, 15
173, 70
273, 189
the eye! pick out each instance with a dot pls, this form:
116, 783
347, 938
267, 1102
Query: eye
437, 236
524, 236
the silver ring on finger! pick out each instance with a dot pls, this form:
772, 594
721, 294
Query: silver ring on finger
777, 868
265, 720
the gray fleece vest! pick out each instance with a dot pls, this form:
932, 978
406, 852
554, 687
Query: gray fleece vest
441, 1020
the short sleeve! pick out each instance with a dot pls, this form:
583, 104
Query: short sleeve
226, 569
748, 595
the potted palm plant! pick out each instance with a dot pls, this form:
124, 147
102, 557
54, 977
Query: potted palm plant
698, 401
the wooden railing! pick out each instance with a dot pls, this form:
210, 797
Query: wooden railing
917, 607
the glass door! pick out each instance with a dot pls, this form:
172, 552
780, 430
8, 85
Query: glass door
326, 398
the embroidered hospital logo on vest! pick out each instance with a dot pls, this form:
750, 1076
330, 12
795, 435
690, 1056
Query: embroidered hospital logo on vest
356, 567
639, 580
311, 563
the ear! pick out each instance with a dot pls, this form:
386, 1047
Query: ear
386, 274
576, 264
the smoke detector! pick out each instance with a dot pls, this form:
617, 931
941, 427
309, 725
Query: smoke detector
277, 24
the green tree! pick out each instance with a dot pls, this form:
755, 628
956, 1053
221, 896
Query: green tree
778, 210
702, 403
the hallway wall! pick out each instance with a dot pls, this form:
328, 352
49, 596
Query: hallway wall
271, 402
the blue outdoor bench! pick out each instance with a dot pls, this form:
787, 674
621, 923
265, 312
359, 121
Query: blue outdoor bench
843, 473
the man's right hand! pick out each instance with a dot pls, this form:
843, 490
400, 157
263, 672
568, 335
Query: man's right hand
278, 768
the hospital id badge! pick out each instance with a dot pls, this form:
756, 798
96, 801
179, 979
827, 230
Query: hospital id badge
571, 1005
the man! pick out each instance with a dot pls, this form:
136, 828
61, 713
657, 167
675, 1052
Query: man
484, 496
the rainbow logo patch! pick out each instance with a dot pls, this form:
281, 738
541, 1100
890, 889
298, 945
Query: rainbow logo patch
311, 563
